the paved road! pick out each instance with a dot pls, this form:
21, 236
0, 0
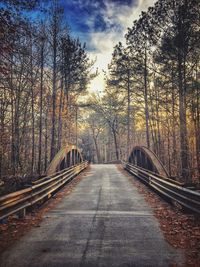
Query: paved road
104, 222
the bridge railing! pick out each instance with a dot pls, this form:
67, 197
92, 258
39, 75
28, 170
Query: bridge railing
18, 201
186, 197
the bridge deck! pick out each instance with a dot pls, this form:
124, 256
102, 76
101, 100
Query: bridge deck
103, 222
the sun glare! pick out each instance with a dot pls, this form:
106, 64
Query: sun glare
97, 84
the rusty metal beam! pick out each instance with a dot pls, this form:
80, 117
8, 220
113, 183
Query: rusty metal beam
147, 159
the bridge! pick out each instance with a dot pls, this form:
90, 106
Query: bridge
104, 221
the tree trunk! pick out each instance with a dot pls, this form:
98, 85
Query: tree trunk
184, 153
54, 80
128, 116
97, 150
12, 125
116, 144
46, 138
146, 100
174, 143
60, 118
41, 106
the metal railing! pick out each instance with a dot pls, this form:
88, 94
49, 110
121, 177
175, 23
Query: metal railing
177, 192
43, 188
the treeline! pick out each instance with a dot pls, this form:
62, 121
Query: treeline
153, 88
43, 70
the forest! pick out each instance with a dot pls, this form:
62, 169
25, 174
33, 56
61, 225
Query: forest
151, 97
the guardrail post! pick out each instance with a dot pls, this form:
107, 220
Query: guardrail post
22, 213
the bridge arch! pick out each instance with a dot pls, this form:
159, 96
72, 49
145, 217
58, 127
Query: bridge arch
143, 157
66, 157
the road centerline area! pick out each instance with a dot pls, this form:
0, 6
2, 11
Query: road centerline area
103, 222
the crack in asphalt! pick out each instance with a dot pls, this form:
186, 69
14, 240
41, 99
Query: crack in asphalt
84, 256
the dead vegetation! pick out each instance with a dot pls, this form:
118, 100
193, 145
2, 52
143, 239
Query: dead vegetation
14, 228
181, 229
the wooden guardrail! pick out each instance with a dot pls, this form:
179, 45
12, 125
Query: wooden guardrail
18, 201
186, 197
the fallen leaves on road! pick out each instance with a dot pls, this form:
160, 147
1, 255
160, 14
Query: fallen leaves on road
181, 230
14, 228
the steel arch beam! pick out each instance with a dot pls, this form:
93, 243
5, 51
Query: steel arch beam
143, 157
66, 157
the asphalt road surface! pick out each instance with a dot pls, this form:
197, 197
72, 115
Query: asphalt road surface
104, 222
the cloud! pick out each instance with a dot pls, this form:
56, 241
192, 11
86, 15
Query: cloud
117, 16
102, 24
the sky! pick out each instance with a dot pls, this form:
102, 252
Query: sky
102, 24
